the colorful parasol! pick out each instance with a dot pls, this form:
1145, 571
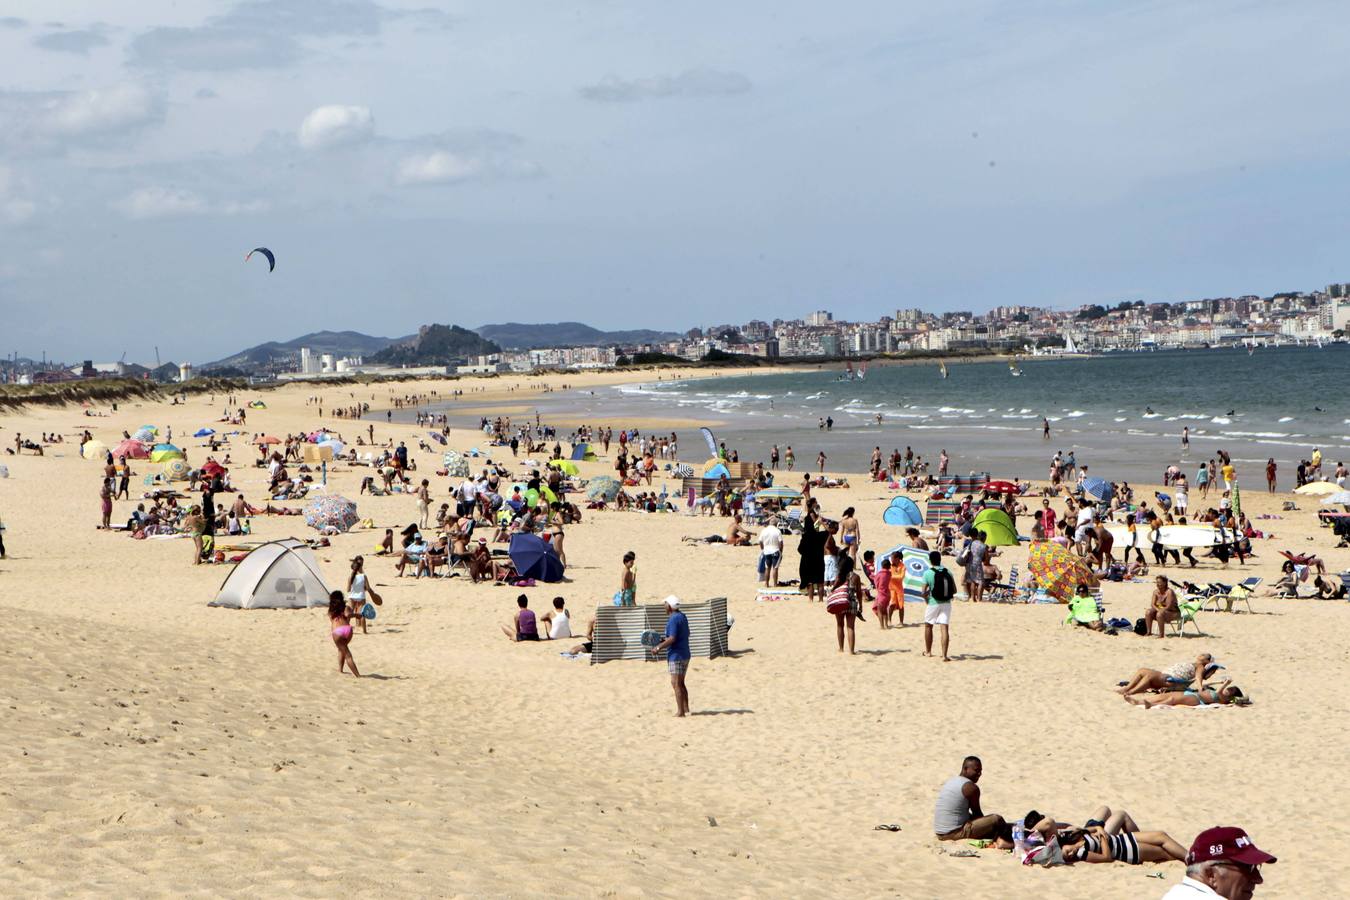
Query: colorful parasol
331, 511
1057, 571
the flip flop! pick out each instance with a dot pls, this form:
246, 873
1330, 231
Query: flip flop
886, 828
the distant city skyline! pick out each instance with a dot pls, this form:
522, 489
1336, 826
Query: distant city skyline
657, 167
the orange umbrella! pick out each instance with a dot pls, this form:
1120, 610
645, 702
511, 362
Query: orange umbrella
268, 439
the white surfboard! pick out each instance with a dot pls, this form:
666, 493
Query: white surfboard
1171, 535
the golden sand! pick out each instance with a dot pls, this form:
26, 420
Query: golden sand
153, 746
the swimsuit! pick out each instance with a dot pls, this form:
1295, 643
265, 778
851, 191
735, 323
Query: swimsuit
342, 631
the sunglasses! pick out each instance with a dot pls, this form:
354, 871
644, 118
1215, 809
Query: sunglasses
1250, 871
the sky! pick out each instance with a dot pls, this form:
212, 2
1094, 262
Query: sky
644, 165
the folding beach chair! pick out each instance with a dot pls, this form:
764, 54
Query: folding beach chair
1187, 608
1238, 593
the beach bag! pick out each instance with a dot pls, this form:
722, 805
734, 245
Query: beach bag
963, 558
944, 586
839, 602
1140, 627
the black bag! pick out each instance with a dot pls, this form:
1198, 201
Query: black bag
944, 586
1140, 627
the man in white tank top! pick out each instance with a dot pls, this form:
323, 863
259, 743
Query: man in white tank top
559, 624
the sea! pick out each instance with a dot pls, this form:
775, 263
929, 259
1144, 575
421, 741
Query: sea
1121, 413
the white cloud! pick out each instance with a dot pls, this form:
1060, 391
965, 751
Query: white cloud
158, 202
690, 83
161, 202
98, 112
15, 208
437, 167
332, 126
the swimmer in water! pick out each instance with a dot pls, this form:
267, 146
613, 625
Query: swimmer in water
1148, 410
1232, 412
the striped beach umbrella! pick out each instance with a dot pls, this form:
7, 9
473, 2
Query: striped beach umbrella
1058, 571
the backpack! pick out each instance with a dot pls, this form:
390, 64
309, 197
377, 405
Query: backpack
944, 586
1140, 627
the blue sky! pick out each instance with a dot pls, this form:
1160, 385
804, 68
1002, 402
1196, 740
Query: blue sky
648, 165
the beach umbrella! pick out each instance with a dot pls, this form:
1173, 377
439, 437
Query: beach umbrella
455, 466
1002, 487
145, 434
535, 558
131, 450
1057, 571
1237, 503
212, 469
331, 511
564, 465
175, 469
267, 439
902, 511
915, 567
203, 432
1098, 488
165, 452
602, 487
94, 450
333, 443
1342, 497
683, 470
1318, 487
998, 528
780, 492
437, 437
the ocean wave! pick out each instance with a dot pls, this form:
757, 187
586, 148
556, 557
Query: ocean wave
1286, 418
1256, 434
1221, 420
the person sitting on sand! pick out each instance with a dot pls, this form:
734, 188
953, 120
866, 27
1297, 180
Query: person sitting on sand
523, 626
737, 534
412, 554
1225, 694
558, 624
1177, 676
957, 815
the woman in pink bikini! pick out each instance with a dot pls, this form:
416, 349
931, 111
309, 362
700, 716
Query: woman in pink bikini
339, 620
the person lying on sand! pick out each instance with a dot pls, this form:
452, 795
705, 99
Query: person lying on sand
1095, 845
1175, 677
1225, 694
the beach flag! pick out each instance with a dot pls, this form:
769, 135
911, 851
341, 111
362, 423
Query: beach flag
916, 567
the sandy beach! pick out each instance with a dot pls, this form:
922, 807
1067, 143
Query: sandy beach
155, 745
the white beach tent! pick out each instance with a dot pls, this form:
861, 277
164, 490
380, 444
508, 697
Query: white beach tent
277, 575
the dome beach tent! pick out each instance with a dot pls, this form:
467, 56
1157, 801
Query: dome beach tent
583, 453
280, 574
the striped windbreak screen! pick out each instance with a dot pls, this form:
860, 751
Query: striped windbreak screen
618, 630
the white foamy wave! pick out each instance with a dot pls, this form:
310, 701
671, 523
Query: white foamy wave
1151, 415
1286, 418
1118, 419
1256, 434
1221, 420
1075, 414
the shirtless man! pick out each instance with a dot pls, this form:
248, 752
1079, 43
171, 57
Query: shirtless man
915, 541
737, 534
1162, 607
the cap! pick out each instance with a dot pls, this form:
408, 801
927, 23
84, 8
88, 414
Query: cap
673, 602
1228, 844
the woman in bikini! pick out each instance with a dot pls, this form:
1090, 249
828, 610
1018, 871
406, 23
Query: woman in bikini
1223, 695
340, 626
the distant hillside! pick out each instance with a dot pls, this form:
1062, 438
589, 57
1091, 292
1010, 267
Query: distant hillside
436, 345
519, 336
338, 343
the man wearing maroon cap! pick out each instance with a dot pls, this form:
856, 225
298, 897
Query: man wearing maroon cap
1223, 862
